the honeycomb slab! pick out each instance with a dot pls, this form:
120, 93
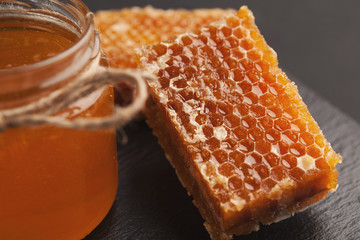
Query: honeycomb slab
235, 128
121, 31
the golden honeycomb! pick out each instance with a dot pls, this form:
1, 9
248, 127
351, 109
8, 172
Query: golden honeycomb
121, 31
235, 128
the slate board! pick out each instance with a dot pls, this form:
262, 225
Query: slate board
152, 204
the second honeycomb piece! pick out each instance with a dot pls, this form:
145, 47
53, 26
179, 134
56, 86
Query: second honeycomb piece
121, 31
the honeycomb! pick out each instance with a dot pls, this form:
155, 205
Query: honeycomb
235, 127
121, 31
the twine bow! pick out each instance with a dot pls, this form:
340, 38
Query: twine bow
60, 99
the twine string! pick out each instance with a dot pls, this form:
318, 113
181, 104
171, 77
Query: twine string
60, 99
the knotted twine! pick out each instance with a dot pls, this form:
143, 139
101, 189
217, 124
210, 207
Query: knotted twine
40, 112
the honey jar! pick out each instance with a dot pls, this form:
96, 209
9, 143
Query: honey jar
55, 183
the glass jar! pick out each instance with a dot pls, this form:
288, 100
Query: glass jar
55, 183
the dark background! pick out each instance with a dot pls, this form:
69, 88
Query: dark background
317, 41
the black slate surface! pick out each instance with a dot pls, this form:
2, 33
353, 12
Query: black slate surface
152, 204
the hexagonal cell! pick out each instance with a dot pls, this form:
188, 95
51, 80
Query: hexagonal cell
298, 125
235, 183
221, 156
185, 40
245, 87
222, 51
239, 33
276, 89
239, 133
238, 74
232, 121
282, 124
269, 78
247, 44
289, 136
266, 123
241, 110
225, 31
257, 111
175, 49
212, 143
161, 49
251, 184
272, 135
250, 98
297, 150
248, 122
226, 169
272, 159
314, 151
285, 101
262, 171
208, 131
246, 146
253, 77
201, 119
256, 134
216, 119
235, 98
228, 143
291, 113
278, 173
210, 107
253, 159
274, 112
231, 42
321, 164
267, 100
225, 108
231, 63
306, 139
237, 158
260, 89
237, 53
288, 161
262, 147
253, 55
207, 51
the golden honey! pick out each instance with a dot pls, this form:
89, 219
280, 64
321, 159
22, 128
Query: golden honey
54, 183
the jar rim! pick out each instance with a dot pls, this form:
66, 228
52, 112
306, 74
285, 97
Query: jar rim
83, 38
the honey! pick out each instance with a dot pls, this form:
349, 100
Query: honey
55, 183
23, 42
235, 128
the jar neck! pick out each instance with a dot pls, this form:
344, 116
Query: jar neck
24, 84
